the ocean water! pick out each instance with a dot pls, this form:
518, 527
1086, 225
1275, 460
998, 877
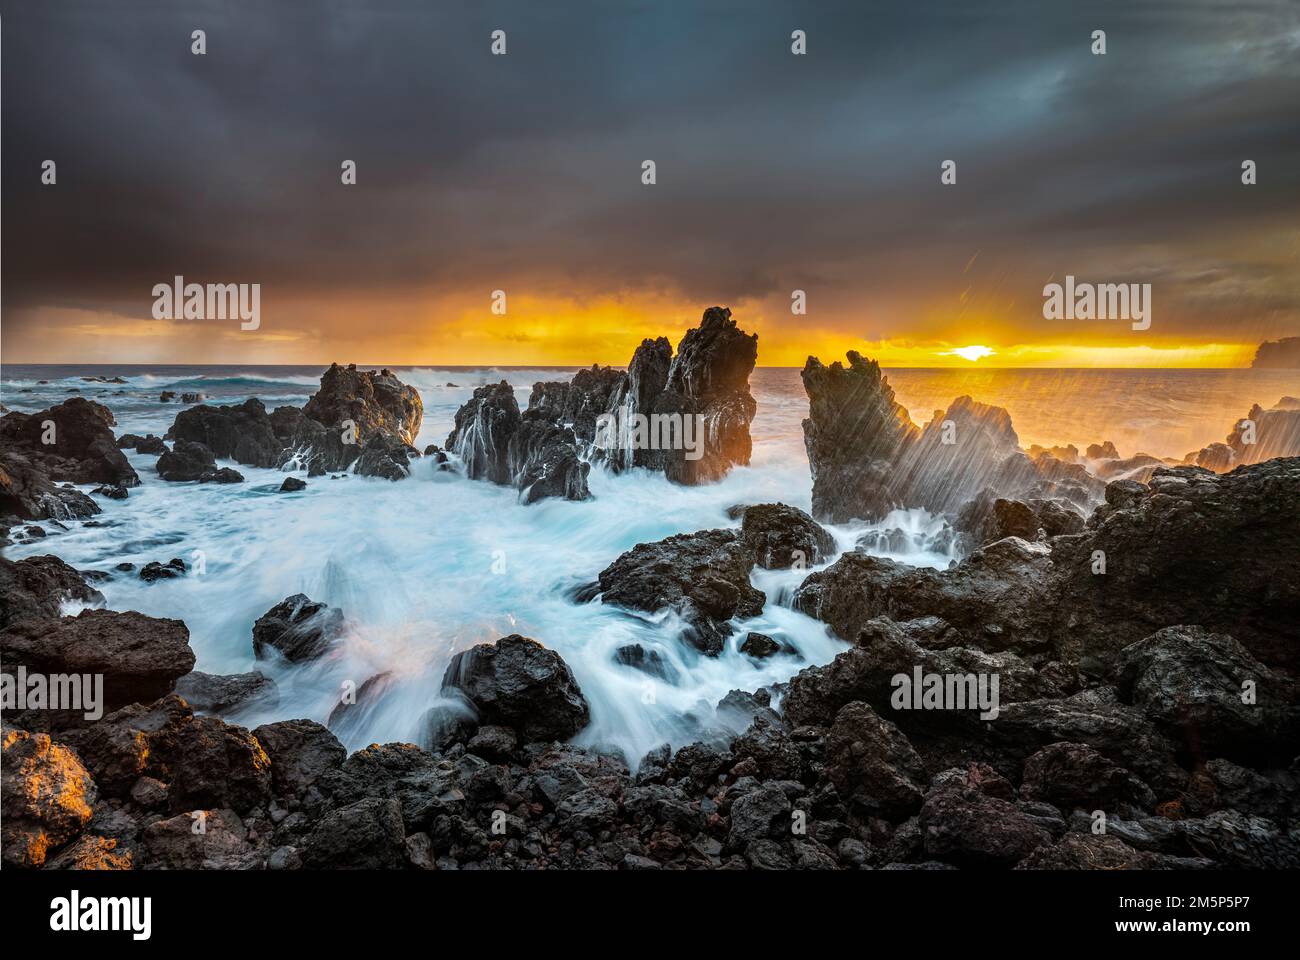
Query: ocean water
431, 565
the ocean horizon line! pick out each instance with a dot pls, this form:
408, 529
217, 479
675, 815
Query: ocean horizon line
565, 366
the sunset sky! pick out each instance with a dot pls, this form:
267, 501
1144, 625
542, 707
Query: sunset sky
775, 172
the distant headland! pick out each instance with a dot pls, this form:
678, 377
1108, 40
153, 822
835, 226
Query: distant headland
1281, 354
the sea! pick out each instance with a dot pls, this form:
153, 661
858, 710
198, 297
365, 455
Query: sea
428, 566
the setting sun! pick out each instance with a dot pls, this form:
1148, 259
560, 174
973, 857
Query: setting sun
971, 353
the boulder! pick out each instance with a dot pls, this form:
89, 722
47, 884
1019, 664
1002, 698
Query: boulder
213, 693
242, 432
82, 447
297, 628
519, 683
1098, 719
46, 795
1218, 550
872, 764
1209, 694
26, 491
385, 456
759, 646
222, 843
366, 835
301, 752
221, 475
187, 460
704, 576
986, 519
423, 785
885, 650
995, 599
136, 741
781, 537
38, 587
218, 764
1075, 775
966, 827
140, 657
760, 813
153, 571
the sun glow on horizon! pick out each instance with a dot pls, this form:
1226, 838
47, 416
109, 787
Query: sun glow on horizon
972, 353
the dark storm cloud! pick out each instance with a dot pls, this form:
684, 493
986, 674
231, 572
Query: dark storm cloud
772, 169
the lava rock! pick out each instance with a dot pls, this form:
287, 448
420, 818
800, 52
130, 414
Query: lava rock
46, 798
377, 403
1075, 775
759, 646
153, 571
140, 657
185, 461
223, 475
385, 457
873, 765
298, 628
243, 432
213, 693
516, 682
782, 537
705, 576
301, 752
37, 587
1191, 683
83, 448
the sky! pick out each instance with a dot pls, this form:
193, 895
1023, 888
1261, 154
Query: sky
774, 172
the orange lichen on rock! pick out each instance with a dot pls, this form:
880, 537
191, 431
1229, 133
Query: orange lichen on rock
46, 795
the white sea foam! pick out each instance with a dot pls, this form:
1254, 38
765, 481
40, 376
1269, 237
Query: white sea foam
411, 564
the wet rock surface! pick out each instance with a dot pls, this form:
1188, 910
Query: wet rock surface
867, 457
781, 537
704, 576
685, 415
518, 683
297, 628
38, 587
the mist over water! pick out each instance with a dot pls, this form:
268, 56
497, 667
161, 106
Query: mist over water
434, 564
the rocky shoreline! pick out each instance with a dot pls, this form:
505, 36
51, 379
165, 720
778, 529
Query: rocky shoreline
1134, 622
